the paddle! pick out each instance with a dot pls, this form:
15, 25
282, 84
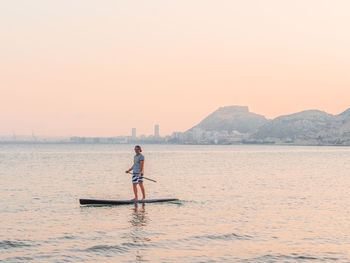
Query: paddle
149, 179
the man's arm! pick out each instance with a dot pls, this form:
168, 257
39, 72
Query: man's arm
132, 168
141, 167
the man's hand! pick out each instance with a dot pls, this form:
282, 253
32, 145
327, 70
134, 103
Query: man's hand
127, 171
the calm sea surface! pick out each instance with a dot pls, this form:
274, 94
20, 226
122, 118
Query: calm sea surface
238, 204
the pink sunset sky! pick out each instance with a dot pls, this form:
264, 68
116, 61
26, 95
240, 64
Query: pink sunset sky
99, 68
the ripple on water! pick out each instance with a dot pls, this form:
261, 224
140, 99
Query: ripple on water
6, 244
18, 259
105, 248
67, 237
290, 258
229, 236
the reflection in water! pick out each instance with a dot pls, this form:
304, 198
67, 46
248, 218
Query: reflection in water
139, 216
139, 221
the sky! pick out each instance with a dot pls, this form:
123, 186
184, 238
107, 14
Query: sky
99, 68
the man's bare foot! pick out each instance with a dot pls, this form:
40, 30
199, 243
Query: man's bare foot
134, 199
144, 198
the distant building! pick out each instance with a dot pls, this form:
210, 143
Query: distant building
133, 133
156, 131
197, 134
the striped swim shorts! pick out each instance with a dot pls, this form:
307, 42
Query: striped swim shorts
136, 179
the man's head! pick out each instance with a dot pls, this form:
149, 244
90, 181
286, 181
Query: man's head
138, 149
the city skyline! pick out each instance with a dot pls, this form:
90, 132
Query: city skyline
133, 133
182, 136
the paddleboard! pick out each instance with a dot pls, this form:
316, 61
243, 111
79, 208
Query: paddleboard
123, 202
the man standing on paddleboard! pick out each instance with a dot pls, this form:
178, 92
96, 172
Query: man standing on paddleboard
137, 174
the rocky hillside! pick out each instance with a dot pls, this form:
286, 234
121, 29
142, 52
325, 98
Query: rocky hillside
235, 124
306, 127
232, 118
344, 129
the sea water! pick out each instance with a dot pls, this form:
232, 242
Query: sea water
240, 203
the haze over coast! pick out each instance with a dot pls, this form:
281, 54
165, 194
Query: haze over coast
232, 125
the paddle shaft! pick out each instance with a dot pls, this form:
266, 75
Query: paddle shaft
149, 179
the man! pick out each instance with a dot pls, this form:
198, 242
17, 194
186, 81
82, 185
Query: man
137, 177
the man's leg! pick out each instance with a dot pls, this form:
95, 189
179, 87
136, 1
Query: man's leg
143, 191
134, 186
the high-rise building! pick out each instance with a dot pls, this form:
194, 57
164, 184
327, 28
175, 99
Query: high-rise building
133, 133
156, 131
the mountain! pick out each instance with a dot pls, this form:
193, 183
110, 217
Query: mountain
344, 129
230, 119
236, 124
345, 114
306, 127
